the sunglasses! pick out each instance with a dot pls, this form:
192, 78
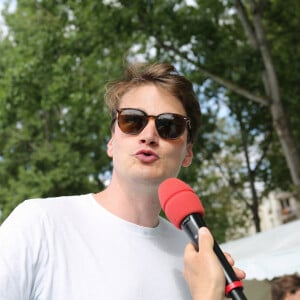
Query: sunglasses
168, 125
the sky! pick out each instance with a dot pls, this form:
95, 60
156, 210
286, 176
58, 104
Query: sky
12, 6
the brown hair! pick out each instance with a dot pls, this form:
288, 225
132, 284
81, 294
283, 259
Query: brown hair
163, 75
284, 285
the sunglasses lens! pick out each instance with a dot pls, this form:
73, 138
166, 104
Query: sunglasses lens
131, 121
170, 126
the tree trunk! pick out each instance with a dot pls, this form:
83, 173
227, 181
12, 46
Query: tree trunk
279, 118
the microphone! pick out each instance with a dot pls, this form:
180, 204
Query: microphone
184, 210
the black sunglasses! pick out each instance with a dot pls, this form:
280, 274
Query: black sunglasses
168, 125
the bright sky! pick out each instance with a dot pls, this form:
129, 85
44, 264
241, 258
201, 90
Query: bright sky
12, 6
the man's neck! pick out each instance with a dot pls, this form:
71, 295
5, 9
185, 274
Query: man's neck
137, 204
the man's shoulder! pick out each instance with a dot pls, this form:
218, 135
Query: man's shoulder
53, 203
58, 200
35, 209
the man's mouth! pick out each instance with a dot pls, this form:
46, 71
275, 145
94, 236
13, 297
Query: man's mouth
146, 156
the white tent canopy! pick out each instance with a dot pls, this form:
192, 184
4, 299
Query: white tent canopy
268, 254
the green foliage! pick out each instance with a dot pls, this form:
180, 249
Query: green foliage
208, 39
54, 125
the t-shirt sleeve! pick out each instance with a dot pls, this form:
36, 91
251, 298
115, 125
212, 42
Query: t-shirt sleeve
21, 242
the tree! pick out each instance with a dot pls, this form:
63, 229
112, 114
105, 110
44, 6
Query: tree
54, 127
58, 55
245, 56
239, 46
255, 166
257, 39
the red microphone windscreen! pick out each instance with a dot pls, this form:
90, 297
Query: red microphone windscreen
178, 200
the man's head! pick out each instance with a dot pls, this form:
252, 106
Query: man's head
162, 75
286, 288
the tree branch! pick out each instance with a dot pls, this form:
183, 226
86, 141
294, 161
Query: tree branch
242, 13
226, 83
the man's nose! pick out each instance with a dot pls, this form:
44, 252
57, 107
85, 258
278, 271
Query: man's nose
149, 134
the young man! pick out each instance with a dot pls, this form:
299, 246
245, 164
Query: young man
113, 244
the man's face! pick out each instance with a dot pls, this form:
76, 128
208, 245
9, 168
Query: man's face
146, 156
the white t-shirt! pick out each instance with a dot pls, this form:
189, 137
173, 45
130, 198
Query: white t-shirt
70, 248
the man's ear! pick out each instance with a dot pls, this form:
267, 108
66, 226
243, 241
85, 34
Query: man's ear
109, 149
188, 156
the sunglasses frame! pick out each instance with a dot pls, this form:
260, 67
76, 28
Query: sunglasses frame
117, 112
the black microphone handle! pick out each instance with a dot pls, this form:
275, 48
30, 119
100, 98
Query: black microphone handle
191, 225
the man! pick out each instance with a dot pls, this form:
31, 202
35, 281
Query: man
113, 244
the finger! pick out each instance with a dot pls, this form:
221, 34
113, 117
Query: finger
229, 258
239, 273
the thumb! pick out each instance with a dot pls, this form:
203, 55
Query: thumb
205, 239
